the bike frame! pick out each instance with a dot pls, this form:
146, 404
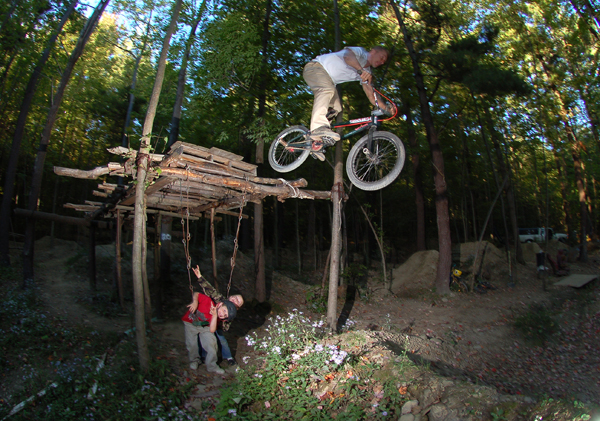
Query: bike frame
371, 124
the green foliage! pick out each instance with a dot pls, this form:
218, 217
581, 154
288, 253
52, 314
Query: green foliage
85, 374
538, 324
300, 374
316, 299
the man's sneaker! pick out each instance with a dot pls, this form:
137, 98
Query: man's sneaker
217, 370
194, 365
318, 155
324, 131
316, 145
231, 362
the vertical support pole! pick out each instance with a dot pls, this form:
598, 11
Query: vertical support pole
260, 289
118, 260
147, 300
92, 256
213, 247
157, 278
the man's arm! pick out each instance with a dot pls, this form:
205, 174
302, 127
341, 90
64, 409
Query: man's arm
206, 288
351, 60
213, 319
194, 304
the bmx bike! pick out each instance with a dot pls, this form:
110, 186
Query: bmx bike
373, 163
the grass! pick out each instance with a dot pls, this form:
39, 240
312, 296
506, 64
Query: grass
538, 324
299, 371
82, 373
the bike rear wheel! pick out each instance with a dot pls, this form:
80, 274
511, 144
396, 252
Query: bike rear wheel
379, 168
284, 158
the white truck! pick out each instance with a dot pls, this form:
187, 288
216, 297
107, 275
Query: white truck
538, 235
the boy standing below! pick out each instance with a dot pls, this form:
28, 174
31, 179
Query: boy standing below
201, 319
210, 291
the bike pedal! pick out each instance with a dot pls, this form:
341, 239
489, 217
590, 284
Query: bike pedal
318, 155
328, 140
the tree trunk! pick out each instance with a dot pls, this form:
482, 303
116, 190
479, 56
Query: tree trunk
174, 133
259, 251
139, 217
510, 197
38, 169
418, 181
11, 170
138, 58
575, 151
337, 194
441, 199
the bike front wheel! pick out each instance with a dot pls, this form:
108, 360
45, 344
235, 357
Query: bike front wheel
283, 157
376, 168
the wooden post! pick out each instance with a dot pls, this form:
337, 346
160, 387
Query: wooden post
147, 300
157, 280
92, 257
260, 289
118, 260
213, 247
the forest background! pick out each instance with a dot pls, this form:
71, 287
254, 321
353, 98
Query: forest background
492, 95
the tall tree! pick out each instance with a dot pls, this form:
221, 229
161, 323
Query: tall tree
38, 169
140, 191
11, 171
439, 177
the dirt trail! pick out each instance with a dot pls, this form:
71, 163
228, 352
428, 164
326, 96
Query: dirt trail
467, 336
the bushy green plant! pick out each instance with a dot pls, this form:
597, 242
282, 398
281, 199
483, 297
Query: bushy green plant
538, 324
316, 300
82, 373
301, 373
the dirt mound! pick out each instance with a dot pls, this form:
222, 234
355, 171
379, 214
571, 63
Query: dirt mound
56, 246
529, 251
417, 272
491, 262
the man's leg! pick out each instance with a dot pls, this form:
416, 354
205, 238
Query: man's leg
209, 343
225, 351
325, 94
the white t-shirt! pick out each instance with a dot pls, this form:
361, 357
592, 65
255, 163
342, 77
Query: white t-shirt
336, 67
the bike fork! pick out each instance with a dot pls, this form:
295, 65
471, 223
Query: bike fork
368, 150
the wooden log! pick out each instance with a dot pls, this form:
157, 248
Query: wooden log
83, 174
131, 153
282, 189
63, 219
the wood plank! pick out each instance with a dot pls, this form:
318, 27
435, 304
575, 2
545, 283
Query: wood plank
216, 155
226, 154
576, 280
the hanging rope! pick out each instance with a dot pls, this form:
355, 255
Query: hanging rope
185, 228
295, 190
235, 241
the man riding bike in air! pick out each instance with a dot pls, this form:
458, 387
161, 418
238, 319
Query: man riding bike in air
328, 70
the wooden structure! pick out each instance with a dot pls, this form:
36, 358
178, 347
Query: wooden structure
576, 280
188, 182
188, 177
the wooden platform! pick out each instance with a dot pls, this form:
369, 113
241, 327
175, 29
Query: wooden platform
188, 177
576, 281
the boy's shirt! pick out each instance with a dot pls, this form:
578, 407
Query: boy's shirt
205, 288
202, 316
